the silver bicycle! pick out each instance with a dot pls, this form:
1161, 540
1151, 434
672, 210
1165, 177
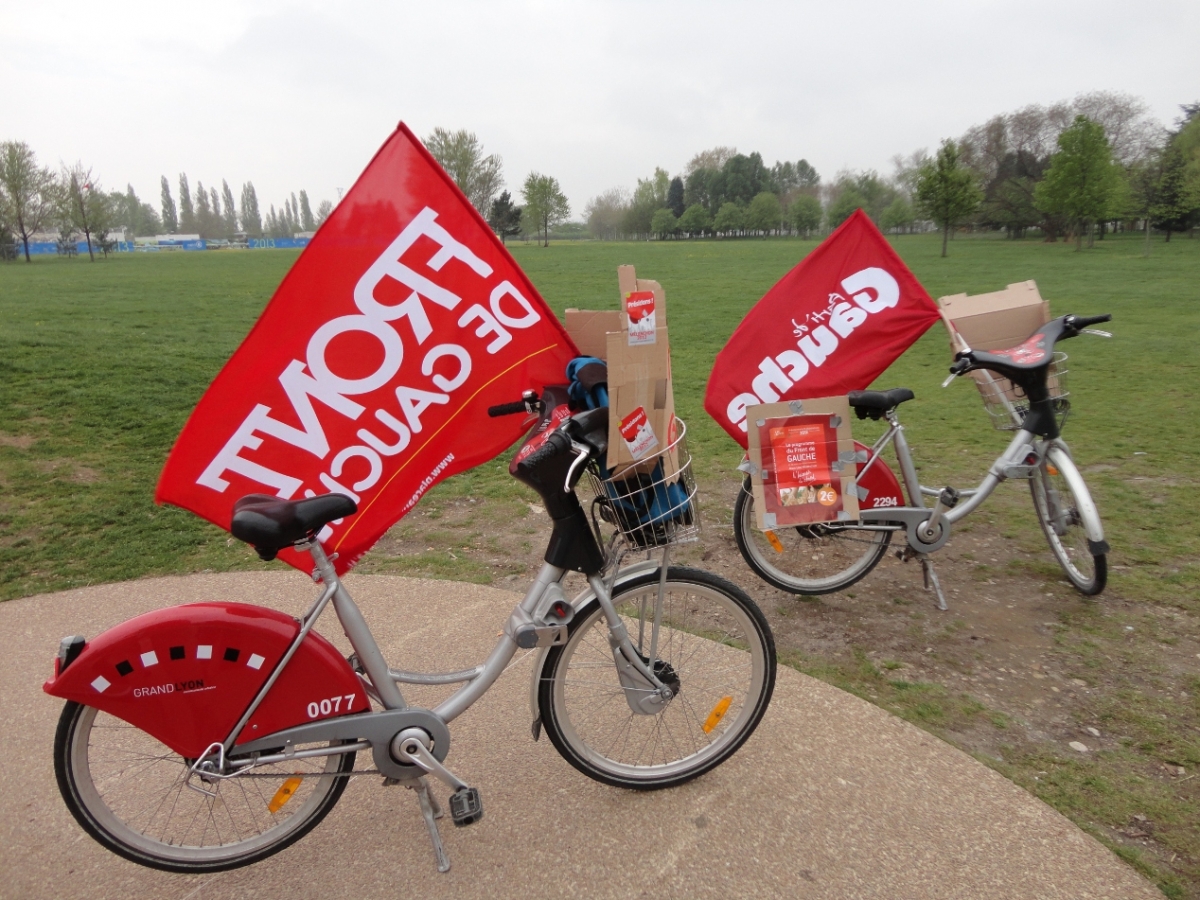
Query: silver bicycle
1023, 388
651, 676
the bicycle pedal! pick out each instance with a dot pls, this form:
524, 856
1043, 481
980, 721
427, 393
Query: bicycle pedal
466, 806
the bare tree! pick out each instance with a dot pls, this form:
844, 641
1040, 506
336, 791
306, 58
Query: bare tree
84, 204
30, 191
714, 159
605, 214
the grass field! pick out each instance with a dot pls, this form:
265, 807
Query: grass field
101, 364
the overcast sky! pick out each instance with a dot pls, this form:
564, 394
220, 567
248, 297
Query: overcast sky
294, 95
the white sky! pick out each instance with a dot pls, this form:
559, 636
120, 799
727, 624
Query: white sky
295, 95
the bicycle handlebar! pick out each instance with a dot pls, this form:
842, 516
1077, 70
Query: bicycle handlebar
506, 409
1078, 323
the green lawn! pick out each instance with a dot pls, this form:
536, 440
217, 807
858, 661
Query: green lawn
101, 363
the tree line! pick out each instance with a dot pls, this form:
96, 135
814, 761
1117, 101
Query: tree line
72, 204
1073, 169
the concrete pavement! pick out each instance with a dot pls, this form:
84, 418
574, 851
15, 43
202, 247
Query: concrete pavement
831, 798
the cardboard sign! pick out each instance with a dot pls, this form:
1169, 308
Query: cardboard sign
639, 317
802, 462
371, 370
830, 326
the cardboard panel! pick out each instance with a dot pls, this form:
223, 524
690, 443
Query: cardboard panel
639, 378
589, 329
995, 321
802, 462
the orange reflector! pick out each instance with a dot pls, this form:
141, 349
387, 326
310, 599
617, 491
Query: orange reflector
1051, 470
284, 794
774, 541
718, 711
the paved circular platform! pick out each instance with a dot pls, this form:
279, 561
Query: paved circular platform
831, 798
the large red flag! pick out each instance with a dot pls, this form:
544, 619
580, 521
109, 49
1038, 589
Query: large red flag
370, 371
830, 326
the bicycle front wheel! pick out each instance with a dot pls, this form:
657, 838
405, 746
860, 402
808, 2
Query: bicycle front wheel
807, 559
712, 641
129, 792
1070, 521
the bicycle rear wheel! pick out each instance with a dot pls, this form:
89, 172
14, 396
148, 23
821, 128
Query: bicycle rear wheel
713, 640
807, 559
1069, 520
128, 792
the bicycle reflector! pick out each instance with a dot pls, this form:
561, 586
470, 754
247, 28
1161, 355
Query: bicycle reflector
774, 541
717, 714
284, 794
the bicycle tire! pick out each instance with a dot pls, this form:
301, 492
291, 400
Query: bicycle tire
1070, 522
127, 791
714, 639
808, 559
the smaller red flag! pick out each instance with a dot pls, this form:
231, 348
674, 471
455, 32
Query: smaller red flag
831, 325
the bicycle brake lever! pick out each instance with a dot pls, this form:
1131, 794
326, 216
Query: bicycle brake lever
949, 378
1097, 332
581, 455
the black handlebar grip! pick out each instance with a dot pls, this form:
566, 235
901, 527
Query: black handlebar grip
555, 444
960, 366
506, 409
1087, 321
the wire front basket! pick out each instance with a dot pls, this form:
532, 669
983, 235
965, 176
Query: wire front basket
1007, 404
651, 503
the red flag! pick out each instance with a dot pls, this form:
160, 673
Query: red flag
370, 371
830, 326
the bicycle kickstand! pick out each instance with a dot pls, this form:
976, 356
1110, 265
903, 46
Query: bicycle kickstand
431, 811
931, 580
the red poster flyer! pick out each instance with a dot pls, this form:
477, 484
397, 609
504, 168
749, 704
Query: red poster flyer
641, 322
638, 433
799, 484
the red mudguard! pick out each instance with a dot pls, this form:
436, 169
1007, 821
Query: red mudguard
883, 490
185, 675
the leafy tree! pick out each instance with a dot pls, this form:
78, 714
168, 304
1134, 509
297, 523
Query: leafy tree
695, 220
203, 212
29, 191
675, 196
307, 221
664, 223
805, 214
697, 188
806, 175
649, 196
170, 216
1174, 200
218, 221
187, 215
252, 222
729, 219
324, 210
765, 213
130, 213
505, 216
946, 190
545, 203
460, 153
85, 205
605, 214
899, 214
1083, 179
846, 202
228, 210
741, 179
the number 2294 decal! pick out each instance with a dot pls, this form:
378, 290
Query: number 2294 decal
329, 705
886, 501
